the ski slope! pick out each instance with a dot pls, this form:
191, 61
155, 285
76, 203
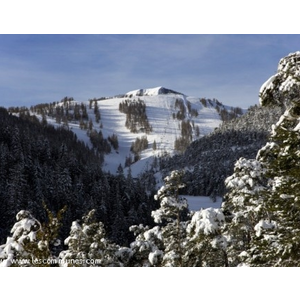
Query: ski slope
165, 129
161, 110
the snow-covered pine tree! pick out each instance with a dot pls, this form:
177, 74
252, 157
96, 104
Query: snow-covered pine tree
262, 204
147, 248
204, 245
32, 243
277, 235
241, 207
282, 87
24, 231
171, 215
88, 246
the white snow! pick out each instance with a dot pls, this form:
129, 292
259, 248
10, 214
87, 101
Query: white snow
263, 225
196, 203
145, 92
266, 86
206, 220
153, 256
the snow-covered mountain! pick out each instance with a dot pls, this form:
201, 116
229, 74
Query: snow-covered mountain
173, 120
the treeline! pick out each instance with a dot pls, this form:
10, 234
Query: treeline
225, 114
66, 111
42, 164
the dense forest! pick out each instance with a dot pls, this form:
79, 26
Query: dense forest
45, 166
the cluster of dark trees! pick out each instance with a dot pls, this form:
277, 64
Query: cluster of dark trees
114, 141
68, 110
136, 117
225, 114
99, 143
97, 112
45, 166
186, 137
183, 111
63, 112
138, 146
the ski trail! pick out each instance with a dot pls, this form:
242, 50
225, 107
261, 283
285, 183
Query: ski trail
173, 128
186, 107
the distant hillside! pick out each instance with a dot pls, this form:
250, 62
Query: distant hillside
209, 160
132, 129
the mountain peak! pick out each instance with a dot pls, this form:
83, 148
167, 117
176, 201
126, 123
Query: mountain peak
152, 92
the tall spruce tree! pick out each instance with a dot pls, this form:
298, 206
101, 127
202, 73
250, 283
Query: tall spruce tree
32, 243
171, 215
204, 245
242, 206
262, 205
24, 232
88, 245
277, 235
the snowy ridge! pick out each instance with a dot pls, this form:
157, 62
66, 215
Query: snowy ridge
151, 92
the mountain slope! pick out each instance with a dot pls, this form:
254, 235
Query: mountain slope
173, 121
160, 110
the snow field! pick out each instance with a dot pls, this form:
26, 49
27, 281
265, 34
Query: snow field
202, 202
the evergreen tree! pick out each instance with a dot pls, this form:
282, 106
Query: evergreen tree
242, 206
88, 246
32, 243
262, 205
277, 235
205, 246
284, 86
171, 215
147, 248
24, 231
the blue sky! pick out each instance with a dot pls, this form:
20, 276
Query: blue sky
43, 68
